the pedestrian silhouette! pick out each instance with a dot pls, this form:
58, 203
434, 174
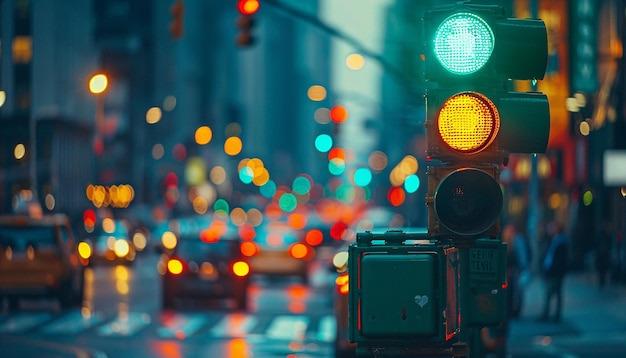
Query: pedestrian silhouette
518, 264
555, 264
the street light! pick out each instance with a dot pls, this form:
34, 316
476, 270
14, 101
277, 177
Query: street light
98, 84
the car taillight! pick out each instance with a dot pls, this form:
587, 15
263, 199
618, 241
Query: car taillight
300, 251
121, 248
241, 268
342, 283
249, 248
175, 266
84, 250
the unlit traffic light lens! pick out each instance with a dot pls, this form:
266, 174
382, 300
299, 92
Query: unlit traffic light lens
463, 43
468, 201
468, 122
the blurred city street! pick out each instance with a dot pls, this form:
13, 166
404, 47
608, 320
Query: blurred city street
593, 322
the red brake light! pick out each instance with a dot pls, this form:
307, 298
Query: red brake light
314, 237
299, 251
241, 268
249, 248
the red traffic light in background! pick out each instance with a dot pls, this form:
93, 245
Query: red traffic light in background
248, 7
177, 12
245, 22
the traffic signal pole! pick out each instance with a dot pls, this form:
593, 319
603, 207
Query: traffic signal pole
435, 297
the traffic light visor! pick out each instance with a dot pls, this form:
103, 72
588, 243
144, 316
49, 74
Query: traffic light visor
463, 43
468, 201
468, 122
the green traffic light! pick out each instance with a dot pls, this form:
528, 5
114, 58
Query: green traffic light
463, 43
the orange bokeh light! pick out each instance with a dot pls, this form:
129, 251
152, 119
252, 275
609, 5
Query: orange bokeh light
338, 114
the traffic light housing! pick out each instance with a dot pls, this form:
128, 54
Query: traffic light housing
403, 291
246, 22
177, 12
473, 121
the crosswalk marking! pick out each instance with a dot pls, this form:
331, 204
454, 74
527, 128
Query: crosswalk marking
125, 325
181, 326
23, 322
174, 325
73, 323
288, 328
234, 325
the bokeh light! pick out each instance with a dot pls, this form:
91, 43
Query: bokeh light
233, 146
217, 175
268, 189
322, 115
316, 93
411, 183
336, 166
355, 61
338, 114
377, 161
288, 202
301, 185
396, 196
153, 115
323, 143
362, 176
203, 135
169, 103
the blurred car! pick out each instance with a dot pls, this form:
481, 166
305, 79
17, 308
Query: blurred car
39, 258
280, 250
206, 264
111, 243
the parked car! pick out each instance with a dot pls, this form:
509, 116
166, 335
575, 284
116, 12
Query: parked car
39, 258
280, 251
206, 264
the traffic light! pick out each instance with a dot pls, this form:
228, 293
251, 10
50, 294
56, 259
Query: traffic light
246, 22
402, 295
177, 12
473, 121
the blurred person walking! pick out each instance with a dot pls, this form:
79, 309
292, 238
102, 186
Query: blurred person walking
555, 265
518, 268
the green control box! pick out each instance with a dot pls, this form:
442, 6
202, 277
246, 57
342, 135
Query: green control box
404, 289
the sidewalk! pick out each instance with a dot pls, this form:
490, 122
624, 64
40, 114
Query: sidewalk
590, 315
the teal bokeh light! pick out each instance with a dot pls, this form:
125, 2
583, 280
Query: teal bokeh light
336, 166
362, 176
221, 205
288, 202
301, 185
323, 143
246, 174
268, 189
411, 183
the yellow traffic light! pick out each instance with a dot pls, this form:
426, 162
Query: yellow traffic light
468, 122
